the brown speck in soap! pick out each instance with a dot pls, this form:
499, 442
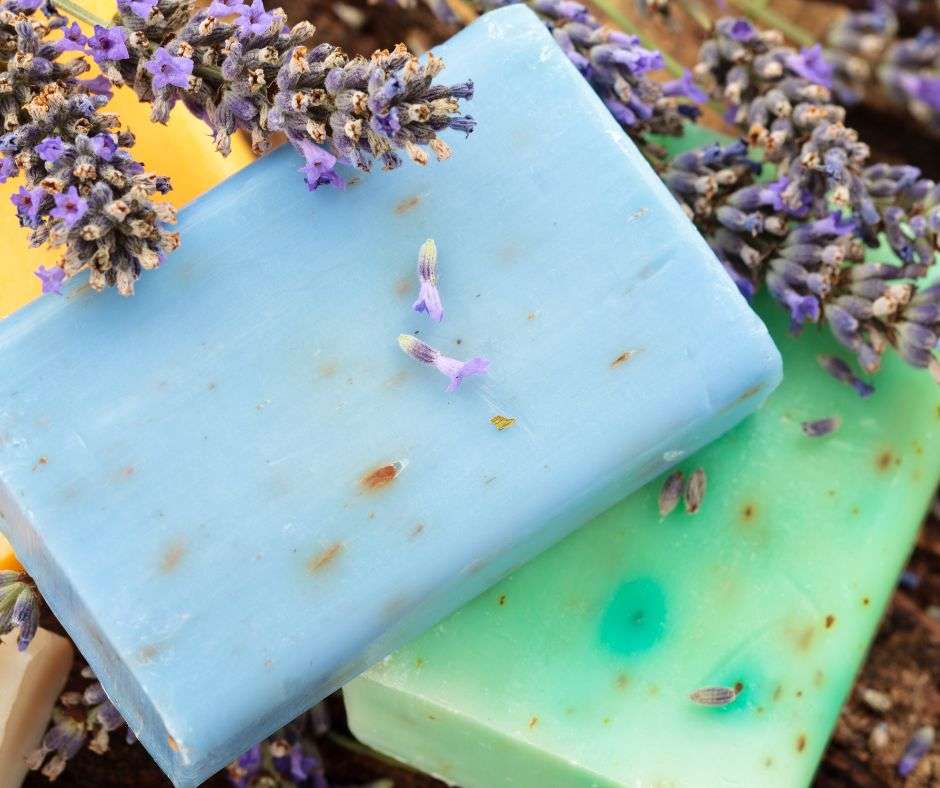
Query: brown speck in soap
324, 558
404, 286
211, 386
778, 692
269, 664
147, 653
801, 742
172, 557
804, 639
748, 512
328, 369
623, 681
408, 204
623, 358
382, 476
416, 531
531, 316
502, 600
866, 601
128, 471
174, 745
419, 662
818, 678
371, 515
40, 462
502, 422
830, 620
885, 459
533, 722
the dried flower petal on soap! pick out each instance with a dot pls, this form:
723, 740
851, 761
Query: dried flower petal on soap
842, 372
670, 493
429, 298
695, 491
502, 422
820, 427
714, 696
451, 367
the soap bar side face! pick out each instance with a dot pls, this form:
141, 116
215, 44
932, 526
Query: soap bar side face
586, 656
256, 387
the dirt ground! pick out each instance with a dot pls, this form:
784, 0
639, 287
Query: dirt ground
904, 664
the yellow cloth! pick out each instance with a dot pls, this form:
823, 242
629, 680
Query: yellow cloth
7, 556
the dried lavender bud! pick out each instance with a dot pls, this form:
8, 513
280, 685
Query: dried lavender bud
79, 717
451, 367
820, 427
919, 745
19, 607
695, 491
670, 494
83, 190
841, 372
714, 696
429, 298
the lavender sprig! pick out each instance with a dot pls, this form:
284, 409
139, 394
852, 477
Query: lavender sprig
83, 190
239, 66
785, 233
617, 67
79, 717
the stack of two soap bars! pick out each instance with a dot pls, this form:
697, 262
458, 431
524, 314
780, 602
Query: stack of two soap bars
204, 525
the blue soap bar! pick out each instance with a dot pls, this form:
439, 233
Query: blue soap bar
236, 492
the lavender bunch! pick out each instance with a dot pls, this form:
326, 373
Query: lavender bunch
617, 67
79, 717
19, 607
83, 190
238, 66
791, 233
910, 74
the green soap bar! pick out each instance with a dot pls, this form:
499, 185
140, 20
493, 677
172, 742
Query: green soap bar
577, 669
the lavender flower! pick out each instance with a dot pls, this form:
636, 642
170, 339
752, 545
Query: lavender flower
28, 203
452, 368
811, 65
19, 607
221, 8
919, 745
820, 427
319, 168
253, 19
108, 44
70, 208
50, 149
8, 169
429, 298
143, 8
842, 372
670, 493
72, 39
166, 69
51, 278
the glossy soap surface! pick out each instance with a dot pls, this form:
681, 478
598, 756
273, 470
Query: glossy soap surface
249, 494
576, 670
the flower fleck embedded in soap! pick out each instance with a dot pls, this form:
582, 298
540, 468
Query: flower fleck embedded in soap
454, 369
429, 298
670, 493
841, 371
714, 696
382, 476
623, 358
695, 491
821, 427
502, 422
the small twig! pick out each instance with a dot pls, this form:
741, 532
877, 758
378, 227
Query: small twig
82, 14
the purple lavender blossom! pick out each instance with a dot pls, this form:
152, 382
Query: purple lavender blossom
50, 149
223, 8
28, 204
51, 278
812, 65
69, 207
842, 372
103, 145
429, 297
242, 773
143, 8
8, 168
108, 43
319, 167
916, 749
253, 19
25, 616
98, 86
28, 5
818, 428
451, 367
72, 39
738, 29
685, 86
168, 69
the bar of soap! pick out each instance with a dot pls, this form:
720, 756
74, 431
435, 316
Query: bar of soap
577, 670
250, 493
30, 682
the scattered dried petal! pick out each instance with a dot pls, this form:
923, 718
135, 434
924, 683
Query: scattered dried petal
714, 696
502, 422
695, 491
820, 427
429, 297
671, 492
